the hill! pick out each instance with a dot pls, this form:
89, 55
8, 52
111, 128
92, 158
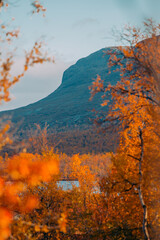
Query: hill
68, 107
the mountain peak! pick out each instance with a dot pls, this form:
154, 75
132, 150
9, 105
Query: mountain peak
68, 106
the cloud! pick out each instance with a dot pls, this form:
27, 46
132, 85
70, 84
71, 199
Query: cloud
150, 8
125, 3
38, 83
85, 22
143, 8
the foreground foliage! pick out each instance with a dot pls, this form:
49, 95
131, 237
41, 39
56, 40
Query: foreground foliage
135, 109
99, 208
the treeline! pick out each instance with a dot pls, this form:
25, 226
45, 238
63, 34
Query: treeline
82, 141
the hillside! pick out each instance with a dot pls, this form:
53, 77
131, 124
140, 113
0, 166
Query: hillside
69, 104
68, 107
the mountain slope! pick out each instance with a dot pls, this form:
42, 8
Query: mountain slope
68, 106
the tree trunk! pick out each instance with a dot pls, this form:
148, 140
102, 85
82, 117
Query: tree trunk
145, 214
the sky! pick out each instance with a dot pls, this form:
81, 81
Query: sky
71, 29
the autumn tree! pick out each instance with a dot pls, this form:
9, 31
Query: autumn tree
135, 111
23, 170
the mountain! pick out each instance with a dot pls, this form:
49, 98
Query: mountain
69, 105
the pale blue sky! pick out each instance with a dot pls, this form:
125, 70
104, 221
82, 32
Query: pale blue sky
72, 29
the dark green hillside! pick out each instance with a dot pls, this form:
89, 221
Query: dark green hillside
69, 105
68, 110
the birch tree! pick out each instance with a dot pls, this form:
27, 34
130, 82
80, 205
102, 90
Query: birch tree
135, 111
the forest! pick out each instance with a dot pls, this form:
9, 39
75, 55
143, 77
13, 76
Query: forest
118, 193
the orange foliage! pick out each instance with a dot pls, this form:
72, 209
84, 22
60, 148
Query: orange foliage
5, 221
21, 171
135, 110
18, 173
38, 7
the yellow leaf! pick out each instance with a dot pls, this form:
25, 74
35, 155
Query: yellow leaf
37, 228
62, 223
45, 229
25, 68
